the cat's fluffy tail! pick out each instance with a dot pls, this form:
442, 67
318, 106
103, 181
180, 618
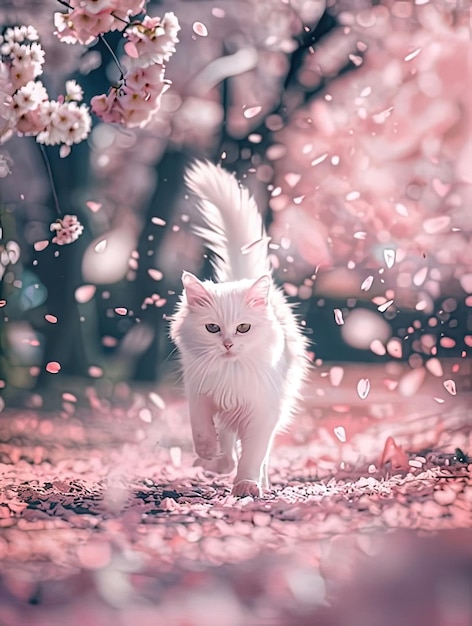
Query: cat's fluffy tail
231, 225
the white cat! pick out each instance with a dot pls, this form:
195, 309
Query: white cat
243, 353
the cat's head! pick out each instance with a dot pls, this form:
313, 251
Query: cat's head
226, 321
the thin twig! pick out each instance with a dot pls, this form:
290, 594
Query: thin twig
115, 58
117, 17
51, 179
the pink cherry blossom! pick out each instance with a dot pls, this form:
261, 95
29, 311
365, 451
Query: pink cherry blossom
30, 96
79, 26
67, 229
134, 104
105, 107
90, 18
65, 122
25, 105
74, 91
154, 40
5, 164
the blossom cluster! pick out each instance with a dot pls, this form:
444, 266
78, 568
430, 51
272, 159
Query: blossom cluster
136, 99
67, 229
26, 108
87, 19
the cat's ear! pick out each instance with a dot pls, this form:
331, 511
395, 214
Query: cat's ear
195, 292
258, 294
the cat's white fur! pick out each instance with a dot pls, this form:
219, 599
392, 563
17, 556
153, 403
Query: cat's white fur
240, 386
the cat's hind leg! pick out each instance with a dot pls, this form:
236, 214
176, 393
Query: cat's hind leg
225, 462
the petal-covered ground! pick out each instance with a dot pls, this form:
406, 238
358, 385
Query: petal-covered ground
104, 519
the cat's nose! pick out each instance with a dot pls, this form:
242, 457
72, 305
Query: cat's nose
228, 344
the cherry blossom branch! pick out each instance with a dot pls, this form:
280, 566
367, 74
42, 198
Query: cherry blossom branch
150, 44
51, 179
113, 55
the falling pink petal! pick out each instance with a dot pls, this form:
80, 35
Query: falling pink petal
145, 415
434, 367
255, 138
131, 50
360, 234
53, 367
290, 290
155, 274
121, 310
158, 221
2, 303
336, 374
420, 276
52, 319
319, 159
292, 179
64, 151
413, 54
395, 348
94, 206
401, 209
157, 400
341, 408
41, 245
367, 283
69, 397
353, 195
356, 59
338, 317
442, 189
383, 307
85, 293
436, 224
340, 433
252, 112
411, 382
438, 400
363, 388
466, 282
447, 342
200, 29
377, 347
100, 246
109, 342
389, 256
94, 371
450, 387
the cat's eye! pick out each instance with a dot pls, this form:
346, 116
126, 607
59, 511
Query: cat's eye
243, 328
212, 328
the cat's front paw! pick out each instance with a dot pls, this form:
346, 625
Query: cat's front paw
245, 488
206, 447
